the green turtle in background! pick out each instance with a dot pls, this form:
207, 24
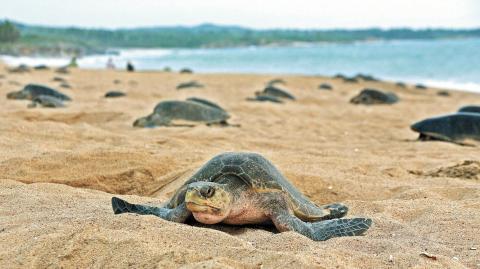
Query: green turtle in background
457, 128
276, 81
59, 79
265, 98
41, 67
275, 92
190, 84
22, 68
401, 84
46, 101
245, 188
31, 91
372, 97
421, 86
350, 80
365, 77
62, 70
113, 94
325, 86
443, 93
183, 113
470, 109
186, 71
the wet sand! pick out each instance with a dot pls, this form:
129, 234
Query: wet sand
60, 167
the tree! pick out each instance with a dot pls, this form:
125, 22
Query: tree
8, 32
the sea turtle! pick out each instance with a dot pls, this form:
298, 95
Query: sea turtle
276, 81
59, 79
46, 101
62, 70
186, 71
265, 98
205, 102
365, 77
350, 80
325, 86
41, 67
443, 93
22, 68
421, 86
456, 128
190, 84
275, 92
111, 94
372, 96
176, 113
245, 188
31, 91
65, 85
401, 84
471, 109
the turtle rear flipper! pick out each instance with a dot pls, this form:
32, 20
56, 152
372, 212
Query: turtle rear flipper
337, 210
223, 123
324, 230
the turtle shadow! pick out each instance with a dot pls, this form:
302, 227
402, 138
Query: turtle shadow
463, 144
233, 230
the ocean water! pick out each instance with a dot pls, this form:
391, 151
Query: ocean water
441, 63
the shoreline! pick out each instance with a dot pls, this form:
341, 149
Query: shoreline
469, 87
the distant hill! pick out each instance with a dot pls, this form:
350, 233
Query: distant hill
73, 40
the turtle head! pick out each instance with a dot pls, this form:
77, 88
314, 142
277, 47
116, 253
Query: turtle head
209, 202
141, 122
18, 95
150, 121
439, 128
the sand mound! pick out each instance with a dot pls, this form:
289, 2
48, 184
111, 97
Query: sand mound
467, 169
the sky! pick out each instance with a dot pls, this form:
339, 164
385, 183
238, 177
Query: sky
260, 14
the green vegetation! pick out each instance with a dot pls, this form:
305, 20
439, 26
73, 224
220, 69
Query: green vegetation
8, 32
55, 40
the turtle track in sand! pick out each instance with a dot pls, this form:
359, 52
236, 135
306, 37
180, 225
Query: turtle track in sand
468, 169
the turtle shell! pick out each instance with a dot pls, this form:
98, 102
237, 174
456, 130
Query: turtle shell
190, 111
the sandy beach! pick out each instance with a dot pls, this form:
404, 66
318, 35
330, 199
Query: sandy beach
60, 167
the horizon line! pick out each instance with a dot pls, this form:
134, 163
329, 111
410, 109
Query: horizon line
245, 27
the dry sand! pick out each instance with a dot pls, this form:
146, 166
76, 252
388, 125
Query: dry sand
60, 167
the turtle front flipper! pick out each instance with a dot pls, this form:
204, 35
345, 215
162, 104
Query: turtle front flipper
324, 230
177, 214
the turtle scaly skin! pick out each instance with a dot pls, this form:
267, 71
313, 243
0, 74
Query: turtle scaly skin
245, 188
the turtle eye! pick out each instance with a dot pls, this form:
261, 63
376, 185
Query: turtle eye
207, 191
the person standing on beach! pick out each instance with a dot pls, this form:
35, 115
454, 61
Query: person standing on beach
73, 62
130, 67
110, 64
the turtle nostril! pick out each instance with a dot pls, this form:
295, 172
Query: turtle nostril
207, 191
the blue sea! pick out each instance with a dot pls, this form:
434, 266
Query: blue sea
441, 63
